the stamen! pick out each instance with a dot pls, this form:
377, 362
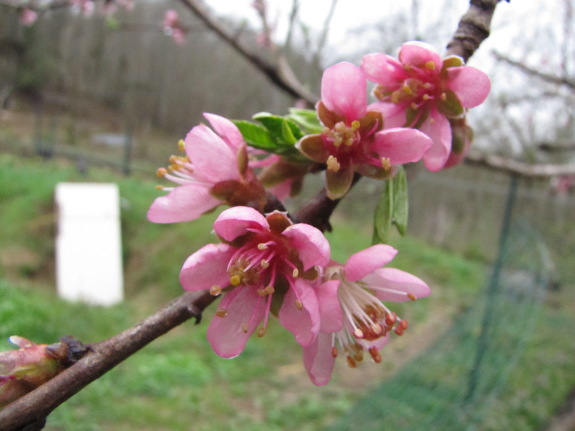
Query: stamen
375, 354
295, 273
298, 304
350, 362
221, 312
358, 333
386, 163
412, 296
235, 280
161, 172
158, 187
261, 332
426, 96
443, 97
430, 65
332, 163
264, 264
334, 352
244, 327
262, 246
181, 145
215, 290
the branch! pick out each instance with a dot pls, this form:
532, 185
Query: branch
529, 71
280, 74
33, 408
507, 165
474, 27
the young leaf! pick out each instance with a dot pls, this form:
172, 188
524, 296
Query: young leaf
400, 201
256, 136
306, 118
392, 208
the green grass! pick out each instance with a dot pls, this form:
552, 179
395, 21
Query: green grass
178, 383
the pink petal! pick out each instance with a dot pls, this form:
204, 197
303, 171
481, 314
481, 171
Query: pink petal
184, 203
393, 114
245, 310
437, 127
207, 267
391, 284
418, 54
366, 261
383, 69
210, 155
343, 91
470, 84
311, 244
330, 310
304, 323
236, 221
401, 145
227, 130
318, 359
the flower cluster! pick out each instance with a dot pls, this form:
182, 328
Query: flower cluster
267, 263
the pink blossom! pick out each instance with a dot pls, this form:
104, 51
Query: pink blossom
173, 26
265, 265
424, 91
358, 320
28, 17
25, 369
214, 171
353, 139
85, 7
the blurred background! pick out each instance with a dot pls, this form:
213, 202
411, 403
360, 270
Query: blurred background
105, 98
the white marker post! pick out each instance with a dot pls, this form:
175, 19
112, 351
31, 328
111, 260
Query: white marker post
88, 243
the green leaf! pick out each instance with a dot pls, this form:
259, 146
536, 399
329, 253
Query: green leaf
391, 209
283, 129
255, 135
400, 201
306, 118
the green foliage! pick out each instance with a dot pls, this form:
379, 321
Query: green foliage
276, 134
306, 118
392, 208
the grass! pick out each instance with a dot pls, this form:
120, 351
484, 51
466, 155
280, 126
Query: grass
178, 383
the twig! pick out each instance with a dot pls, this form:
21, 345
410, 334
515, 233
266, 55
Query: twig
529, 71
37, 405
474, 28
280, 73
508, 165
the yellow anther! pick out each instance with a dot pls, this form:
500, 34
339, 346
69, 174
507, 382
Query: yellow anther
407, 90
411, 296
386, 163
355, 124
270, 289
158, 187
414, 105
443, 97
358, 333
264, 263
430, 65
222, 312
215, 290
161, 172
295, 273
261, 332
298, 304
333, 164
262, 246
235, 280
428, 85
426, 97
181, 145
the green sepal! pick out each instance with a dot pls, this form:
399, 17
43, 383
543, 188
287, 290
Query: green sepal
391, 209
307, 119
451, 106
255, 135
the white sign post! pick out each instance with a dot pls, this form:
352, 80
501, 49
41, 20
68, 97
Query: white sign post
88, 243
